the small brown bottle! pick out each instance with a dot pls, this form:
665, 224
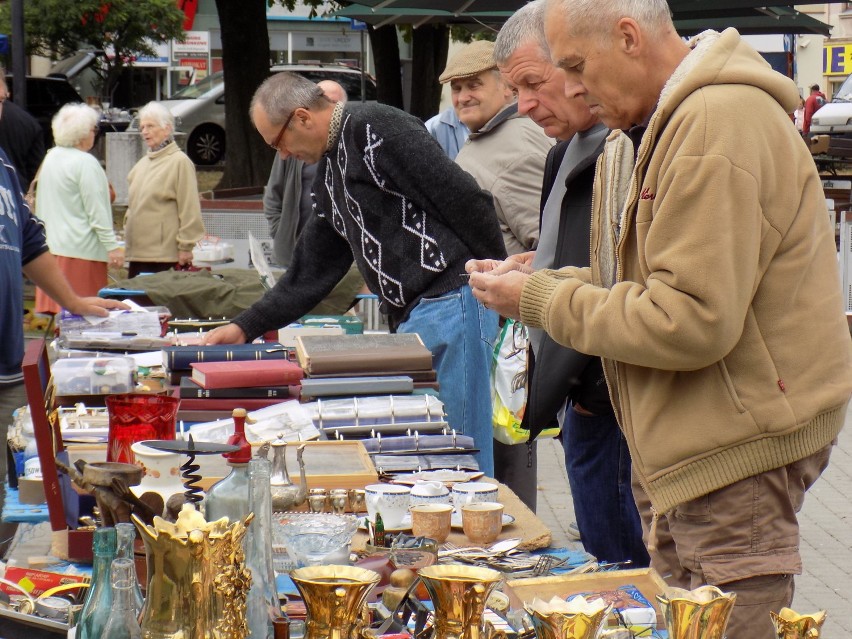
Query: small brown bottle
281, 627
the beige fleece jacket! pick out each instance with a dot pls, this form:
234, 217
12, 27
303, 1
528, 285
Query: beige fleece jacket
725, 345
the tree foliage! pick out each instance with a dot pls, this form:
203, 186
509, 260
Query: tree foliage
127, 28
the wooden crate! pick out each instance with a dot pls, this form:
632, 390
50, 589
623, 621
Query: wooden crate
647, 580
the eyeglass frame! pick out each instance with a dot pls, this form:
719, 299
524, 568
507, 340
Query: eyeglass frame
277, 143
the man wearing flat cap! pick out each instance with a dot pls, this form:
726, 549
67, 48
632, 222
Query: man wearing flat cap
505, 151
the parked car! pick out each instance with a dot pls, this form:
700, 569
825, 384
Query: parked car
199, 109
835, 118
45, 96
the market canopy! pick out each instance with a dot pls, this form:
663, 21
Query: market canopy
690, 16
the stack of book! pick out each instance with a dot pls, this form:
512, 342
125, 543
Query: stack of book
372, 364
177, 359
217, 379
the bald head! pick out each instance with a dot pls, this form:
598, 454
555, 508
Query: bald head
333, 91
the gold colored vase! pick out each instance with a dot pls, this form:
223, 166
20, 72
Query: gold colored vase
335, 599
702, 613
458, 594
791, 625
197, 578
559, 625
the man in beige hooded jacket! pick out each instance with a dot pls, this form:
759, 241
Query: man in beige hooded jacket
713, 295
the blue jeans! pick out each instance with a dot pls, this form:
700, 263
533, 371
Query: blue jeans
460, 332
598, 465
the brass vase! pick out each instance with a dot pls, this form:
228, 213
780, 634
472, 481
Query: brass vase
702, 613
335, 599
559, 625
197, 578
791, 625
459, 594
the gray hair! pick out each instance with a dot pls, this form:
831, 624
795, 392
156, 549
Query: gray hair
596, 17
159, 114
525, 26
283, 93
72, 123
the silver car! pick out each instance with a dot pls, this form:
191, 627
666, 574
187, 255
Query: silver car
199, 109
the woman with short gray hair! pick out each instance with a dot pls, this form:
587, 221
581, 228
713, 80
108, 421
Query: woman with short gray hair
163, 221
73, 200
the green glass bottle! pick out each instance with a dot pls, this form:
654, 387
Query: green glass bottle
98, 604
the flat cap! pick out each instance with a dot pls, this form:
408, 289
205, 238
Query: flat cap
470, 60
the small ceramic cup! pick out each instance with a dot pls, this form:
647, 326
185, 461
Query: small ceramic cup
432, 521
391, 500
473, 492
482, 521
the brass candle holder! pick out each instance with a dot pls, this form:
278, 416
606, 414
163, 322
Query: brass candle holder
577, 619
702, 613
789, 624
459, 594
335, 599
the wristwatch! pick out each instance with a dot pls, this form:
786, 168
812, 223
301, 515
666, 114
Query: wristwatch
53, 608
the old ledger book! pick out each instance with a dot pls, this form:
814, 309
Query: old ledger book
243, 374
377, 352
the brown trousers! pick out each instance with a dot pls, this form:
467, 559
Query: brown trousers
743, 538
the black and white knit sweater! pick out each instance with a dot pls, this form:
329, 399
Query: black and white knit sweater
387, 196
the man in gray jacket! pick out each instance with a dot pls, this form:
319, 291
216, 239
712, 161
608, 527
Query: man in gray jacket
287, 205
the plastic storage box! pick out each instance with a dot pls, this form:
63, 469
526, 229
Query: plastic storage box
94, 375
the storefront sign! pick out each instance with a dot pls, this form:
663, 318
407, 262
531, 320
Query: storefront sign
195, 45
837, 59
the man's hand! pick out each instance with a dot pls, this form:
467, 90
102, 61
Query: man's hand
184, 257
498, 267
522, 258
501, 293
228, 334
94, 306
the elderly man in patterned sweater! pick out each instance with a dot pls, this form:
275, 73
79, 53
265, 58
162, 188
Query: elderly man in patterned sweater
388, 197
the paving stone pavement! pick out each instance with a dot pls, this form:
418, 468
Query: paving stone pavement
825, 526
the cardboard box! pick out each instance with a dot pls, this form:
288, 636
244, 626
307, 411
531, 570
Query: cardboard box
647, 580
31, 491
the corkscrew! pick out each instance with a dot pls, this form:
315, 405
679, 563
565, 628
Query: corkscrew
189, 469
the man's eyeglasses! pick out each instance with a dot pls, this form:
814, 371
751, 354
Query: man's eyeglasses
277, 142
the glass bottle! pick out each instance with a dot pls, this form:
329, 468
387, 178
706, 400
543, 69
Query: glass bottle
262, 604
125, 536
98, 604
123, 622
230, 496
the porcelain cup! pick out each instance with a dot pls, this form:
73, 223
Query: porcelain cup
391, 500
432, 521
473, 492
482, 521
429, 492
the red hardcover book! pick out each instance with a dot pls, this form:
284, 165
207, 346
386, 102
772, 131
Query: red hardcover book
246, 374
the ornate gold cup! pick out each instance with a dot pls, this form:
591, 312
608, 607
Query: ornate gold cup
702, 613
791, 625
197, 578
459, 594
559, 625
335, 599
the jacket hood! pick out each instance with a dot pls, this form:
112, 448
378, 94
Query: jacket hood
725, 59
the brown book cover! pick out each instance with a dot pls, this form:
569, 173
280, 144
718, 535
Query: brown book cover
371, 353
190, 389
230, 403
273, 372
417, 376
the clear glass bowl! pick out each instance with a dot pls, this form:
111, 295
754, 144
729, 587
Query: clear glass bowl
315, 539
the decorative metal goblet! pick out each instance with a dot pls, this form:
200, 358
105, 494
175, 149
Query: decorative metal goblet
339, 499
317, 498
357, 498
